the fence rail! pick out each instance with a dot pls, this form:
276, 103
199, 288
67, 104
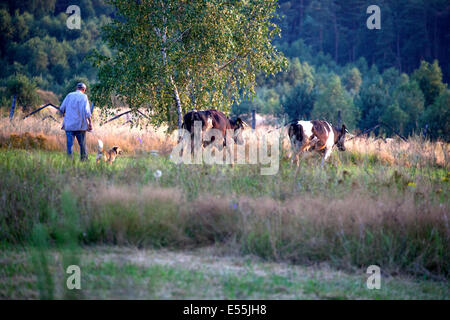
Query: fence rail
41, 108
253, 121
57, 107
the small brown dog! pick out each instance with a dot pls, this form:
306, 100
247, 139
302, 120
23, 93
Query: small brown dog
108, 156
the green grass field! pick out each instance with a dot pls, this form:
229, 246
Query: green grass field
312, 232
130, 273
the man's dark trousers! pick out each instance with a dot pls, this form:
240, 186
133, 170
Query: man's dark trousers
81, 138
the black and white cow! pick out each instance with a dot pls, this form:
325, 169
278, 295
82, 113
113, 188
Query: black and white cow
315, 135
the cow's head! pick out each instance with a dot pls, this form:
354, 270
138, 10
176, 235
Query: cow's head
341, 138
238, 126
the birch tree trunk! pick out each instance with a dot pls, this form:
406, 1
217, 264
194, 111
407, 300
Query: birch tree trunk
177, 103
176, 96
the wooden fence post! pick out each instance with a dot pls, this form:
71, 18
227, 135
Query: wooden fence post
253, 119
13, 107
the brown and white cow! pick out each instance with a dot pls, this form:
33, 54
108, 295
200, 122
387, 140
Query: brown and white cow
213, 119
315, 135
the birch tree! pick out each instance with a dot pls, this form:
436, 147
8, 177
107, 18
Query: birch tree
174, 55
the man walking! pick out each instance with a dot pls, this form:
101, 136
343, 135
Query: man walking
77, 119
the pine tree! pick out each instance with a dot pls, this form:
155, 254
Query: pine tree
437, 117
429, 78
411, 101
333, 99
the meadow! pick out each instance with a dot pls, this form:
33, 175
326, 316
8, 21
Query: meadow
309, 232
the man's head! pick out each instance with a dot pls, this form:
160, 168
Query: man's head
81, 86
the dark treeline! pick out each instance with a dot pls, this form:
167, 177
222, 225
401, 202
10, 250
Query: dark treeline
411, 31
396, 75
38, 50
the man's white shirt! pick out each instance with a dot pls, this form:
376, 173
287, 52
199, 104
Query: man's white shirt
76, 111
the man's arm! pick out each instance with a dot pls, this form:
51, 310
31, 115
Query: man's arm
89, 124
62, 109
88, 115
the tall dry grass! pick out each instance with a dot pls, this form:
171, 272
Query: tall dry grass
354, 215
398, 232
132, 140
394, 231
381, 202
416, 152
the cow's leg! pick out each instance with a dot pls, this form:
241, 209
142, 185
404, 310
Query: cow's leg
295, 150
301, 150
306, 144
314, 144
293, 156
326, 155
192, 144
297, 159
230, 154
180, 140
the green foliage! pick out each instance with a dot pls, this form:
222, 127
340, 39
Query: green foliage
395, 117
338, 28
332, 99
24, 89
299, 102
6, 29
39, 8
372, 101
392, 78
36, 42
437, 117
204, 54
196, 275
298, 72
71, 85
352, 81
290, 92
267, 101
429, 78
321, 38
40, 260
411, 101
391, 98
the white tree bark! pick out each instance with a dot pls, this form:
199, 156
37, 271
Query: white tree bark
176, 95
